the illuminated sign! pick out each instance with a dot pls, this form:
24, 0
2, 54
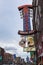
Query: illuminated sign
27, 32
28, 49
22, 33
25, 13
26, 20
22, 43
31, 40
31, 45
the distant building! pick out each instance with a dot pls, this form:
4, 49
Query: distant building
1, 55
17, 60
8, 58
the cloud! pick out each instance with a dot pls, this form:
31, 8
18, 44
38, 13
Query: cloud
11, 46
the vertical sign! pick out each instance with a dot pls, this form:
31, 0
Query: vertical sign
26, 19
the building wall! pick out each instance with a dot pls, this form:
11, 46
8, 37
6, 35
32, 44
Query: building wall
38, 24
8, 58
1, 55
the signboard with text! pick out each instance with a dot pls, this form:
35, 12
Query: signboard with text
28, 49
31, 40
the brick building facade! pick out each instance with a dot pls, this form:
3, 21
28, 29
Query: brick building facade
1, 55
38, 25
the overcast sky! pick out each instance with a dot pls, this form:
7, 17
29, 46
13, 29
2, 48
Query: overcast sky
10, 23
